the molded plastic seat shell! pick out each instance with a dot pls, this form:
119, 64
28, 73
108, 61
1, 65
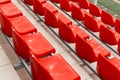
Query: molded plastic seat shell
69, 32
22, 25
8, 11
32, 43
39, 6
51, 68
84, 4
30, 2
77, 12
65, 4
107, 18
92, 23
89, 49
63, 28
95, 10
51, 16
108, 69
117, 25
108, 35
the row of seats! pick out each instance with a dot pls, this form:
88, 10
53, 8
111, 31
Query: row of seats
56, 19
86, 47
32, 46
103, 26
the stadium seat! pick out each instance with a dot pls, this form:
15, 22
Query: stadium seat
51, 16
107, 18
38, 6
117, 25
77, 12
89, 49
92, 23
109, 35
95, 10
32, 43
30, 2
52, 68
23, 25
69, 32
4, 1
65, 5
84, 4
64, 23
8, 11
108, 68
56, 1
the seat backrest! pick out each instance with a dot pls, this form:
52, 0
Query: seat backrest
117, 25
39, 71
77, 12
51, 16
95, 10
84, 3
105, 31
107, 18
65, 4
91, 23
108, 69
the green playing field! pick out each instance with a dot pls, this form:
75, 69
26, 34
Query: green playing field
112, 5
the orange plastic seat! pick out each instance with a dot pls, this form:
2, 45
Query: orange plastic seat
84, 4
108, 68
51, 16
117, 25
92, 23
108, 35
51, 68
65, 4
39, 6
89, 49
107, 18
77, 12
95, 10
8, 11
30, 2
33, 43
